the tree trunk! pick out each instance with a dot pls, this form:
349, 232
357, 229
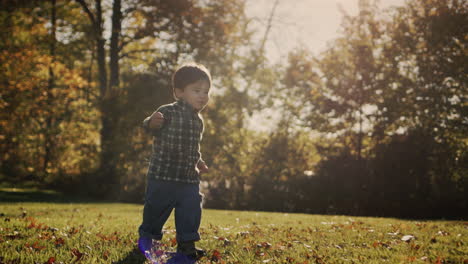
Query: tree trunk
109, 111
101, 51
104, 179
49, 133
108, 179
114, 44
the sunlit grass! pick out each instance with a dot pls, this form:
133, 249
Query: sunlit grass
107, 233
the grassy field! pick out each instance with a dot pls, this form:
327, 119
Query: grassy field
64, 232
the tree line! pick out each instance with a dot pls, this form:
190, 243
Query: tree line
376, 124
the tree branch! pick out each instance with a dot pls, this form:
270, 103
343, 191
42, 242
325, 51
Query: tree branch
87, 11
127, 54
267, 31
128, 11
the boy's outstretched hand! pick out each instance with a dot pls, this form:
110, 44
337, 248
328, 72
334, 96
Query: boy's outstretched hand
202, 167
156, 121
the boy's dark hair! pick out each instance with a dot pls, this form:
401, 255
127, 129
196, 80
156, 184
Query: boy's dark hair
189, 73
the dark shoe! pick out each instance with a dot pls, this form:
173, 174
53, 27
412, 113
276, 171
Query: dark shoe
179, 258
199, 253
188, 248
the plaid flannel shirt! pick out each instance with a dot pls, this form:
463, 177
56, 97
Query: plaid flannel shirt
176, 145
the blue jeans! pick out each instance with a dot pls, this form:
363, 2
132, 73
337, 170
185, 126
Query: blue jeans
163, 196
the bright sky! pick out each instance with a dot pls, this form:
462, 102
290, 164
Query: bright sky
310, 22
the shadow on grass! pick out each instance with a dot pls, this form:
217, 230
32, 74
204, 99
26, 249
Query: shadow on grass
13, 195
133, 257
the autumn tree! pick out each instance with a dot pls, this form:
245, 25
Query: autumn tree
424, 102
38, 91
392, 82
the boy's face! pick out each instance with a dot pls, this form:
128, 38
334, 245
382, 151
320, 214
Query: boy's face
196, 94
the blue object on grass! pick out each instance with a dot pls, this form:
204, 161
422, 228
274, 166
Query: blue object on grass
145, 244
157, 253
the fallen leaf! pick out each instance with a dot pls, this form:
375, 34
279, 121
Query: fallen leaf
34, 246
32, 225
264, 245
216, 256
173, 242
244, 234
77, 254
443, 233
15, 235
51, 260
415, 247
59, 242
407, 238
73, 231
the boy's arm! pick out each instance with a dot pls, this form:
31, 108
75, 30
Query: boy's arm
202, 166
153, 122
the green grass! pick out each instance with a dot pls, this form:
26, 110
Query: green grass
107, 233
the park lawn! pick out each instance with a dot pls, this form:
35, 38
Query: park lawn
107, 233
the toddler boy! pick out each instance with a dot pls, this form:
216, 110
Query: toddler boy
175, 165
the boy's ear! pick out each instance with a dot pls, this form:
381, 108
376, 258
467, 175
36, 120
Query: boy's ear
178, 92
